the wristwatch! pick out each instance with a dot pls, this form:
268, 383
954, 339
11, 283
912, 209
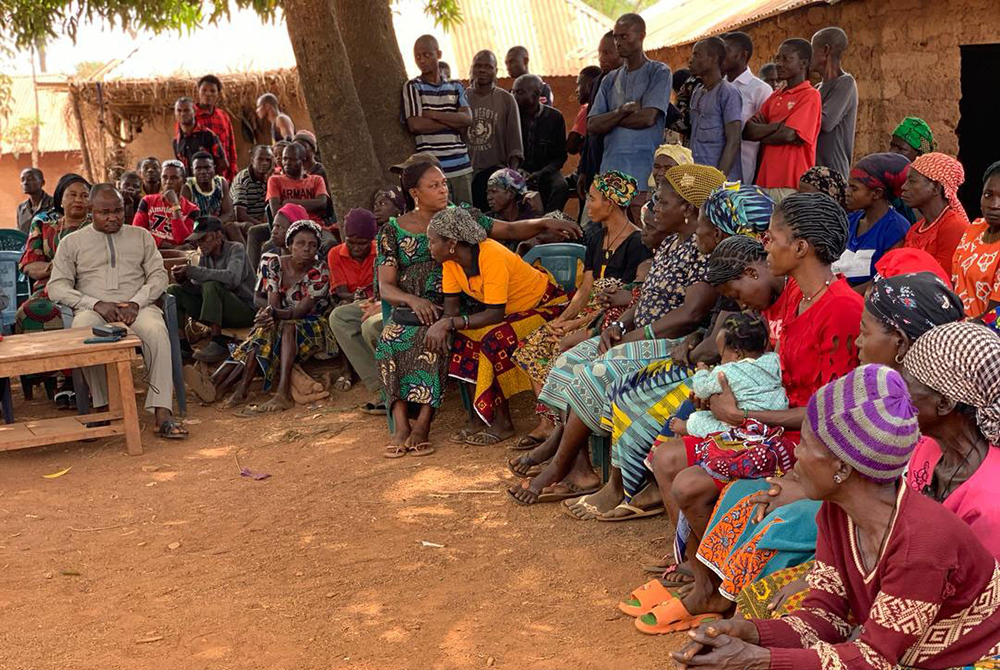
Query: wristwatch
620, 325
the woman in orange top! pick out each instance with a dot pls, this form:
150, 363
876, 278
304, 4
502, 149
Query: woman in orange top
976, 264
515, 300
932, 187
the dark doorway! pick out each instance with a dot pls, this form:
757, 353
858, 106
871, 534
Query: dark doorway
978, 142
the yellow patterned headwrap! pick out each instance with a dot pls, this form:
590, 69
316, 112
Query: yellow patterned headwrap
617, 187
695, 183
680, 155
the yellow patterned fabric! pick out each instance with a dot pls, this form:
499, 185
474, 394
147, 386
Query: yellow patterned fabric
695, 183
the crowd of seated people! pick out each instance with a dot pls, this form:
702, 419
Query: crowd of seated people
799, 369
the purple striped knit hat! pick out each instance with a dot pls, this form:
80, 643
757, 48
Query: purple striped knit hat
867, 420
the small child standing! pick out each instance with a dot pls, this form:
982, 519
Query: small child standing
753, 375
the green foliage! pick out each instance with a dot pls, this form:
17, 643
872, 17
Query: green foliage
18, 134
28, 22
87, 68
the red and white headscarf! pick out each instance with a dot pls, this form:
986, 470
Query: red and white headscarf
946, 171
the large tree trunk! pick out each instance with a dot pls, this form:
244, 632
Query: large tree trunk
341, 128
379, 74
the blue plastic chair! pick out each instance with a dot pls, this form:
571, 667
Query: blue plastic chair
600, 454
561, 259
8, 286
168, 304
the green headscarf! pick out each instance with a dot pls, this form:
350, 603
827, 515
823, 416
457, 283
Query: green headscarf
916, 133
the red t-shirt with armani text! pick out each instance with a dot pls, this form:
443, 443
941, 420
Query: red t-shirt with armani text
285, 188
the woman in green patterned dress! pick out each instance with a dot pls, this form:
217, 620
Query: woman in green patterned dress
410, 281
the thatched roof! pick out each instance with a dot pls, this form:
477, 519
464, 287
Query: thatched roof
146, 98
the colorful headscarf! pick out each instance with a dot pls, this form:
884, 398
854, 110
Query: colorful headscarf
829, 181
739, 210
885, 170
299, 226
961, 361
915, 132
946, 171
679, 154
455, 223
395, 196
866, 419
913, 303
906, 261
694, 182
617, 187
508, 179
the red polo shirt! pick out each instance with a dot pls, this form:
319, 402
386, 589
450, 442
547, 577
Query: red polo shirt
801, 109
345, 271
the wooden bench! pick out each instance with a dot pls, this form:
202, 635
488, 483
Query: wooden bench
62, 349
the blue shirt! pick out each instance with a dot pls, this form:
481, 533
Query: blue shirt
710, 111
631, 151
445, 144
858, 261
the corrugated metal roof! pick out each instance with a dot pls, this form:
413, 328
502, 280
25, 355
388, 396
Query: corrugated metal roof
674, 22
557, 33
54, 132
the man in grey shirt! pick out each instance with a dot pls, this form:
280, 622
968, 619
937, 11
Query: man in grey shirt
839, 93
218, 291
494, 138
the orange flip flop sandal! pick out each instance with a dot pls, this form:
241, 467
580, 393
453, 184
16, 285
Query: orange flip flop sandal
671, 617
645, 598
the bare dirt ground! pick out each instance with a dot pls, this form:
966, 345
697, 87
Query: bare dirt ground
173, 560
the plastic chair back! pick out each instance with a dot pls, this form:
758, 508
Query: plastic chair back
8, 288
12, 239
560, 259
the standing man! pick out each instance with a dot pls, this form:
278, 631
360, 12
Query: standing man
192, 138
218, 291
769, 75
839, 95
754, 92
281, 124
608, 60
630, 110
33, 186
495, 134
517, 66
788, 124
109, 272
437, 113
584, 87
715, 110
209, 116
543, 134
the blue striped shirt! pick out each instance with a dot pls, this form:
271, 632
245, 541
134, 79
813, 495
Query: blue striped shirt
445, 144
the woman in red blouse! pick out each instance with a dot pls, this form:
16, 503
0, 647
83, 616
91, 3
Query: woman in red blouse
814, 318
897, 565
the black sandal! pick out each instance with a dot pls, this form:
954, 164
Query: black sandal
172, 429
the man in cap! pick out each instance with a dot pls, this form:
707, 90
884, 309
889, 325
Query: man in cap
218, 291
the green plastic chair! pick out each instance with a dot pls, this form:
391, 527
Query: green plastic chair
12, 239
561, 259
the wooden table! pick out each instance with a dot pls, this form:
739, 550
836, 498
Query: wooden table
62, 349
